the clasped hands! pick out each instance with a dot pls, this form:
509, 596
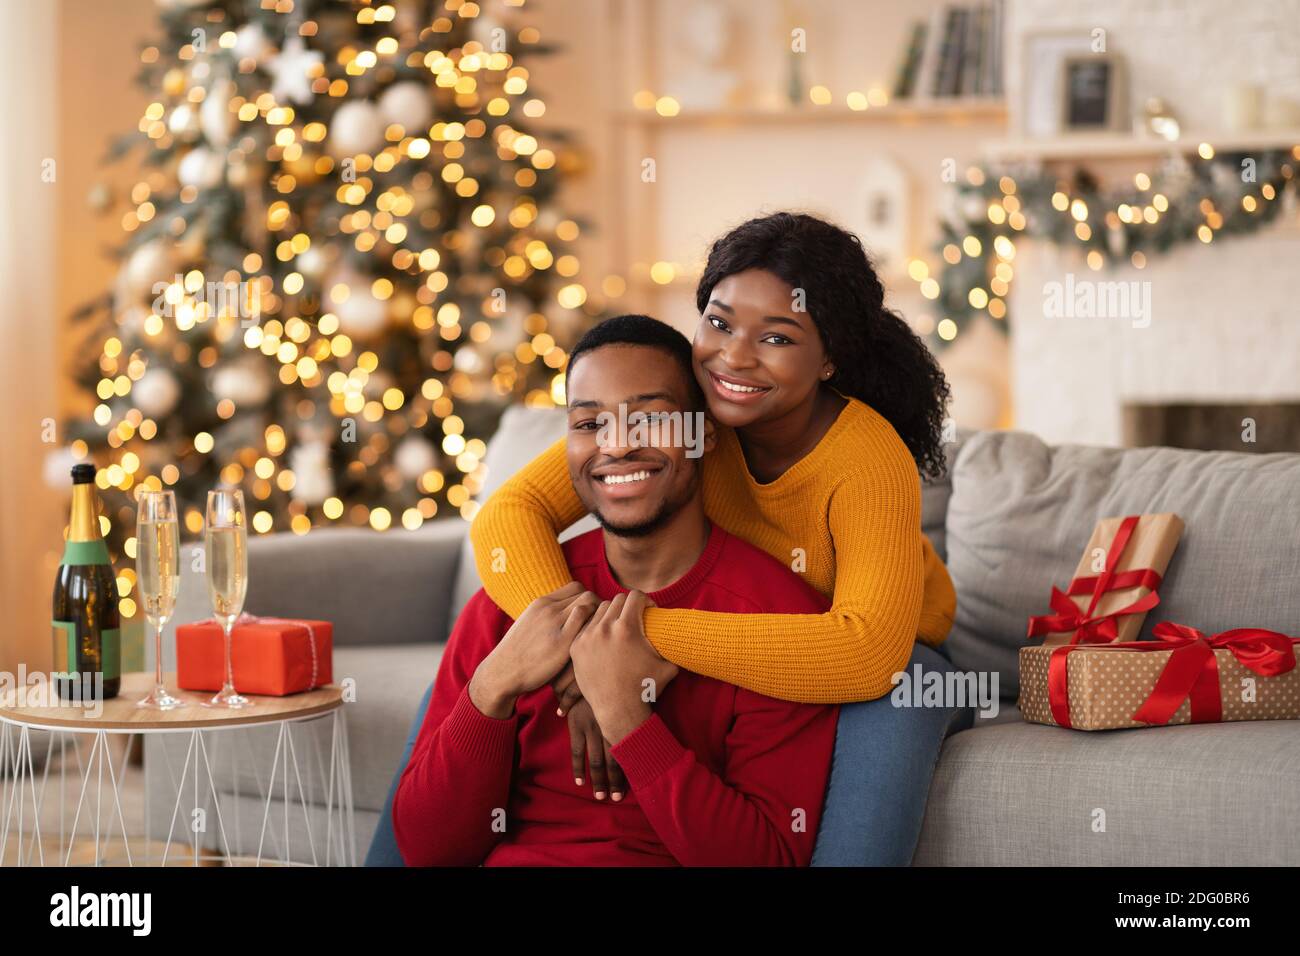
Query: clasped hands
596, 658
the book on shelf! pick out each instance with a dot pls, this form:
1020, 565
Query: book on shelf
910, 66
956, 53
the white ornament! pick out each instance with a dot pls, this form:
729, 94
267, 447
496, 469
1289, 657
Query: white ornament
356, 128
148, 264
251, 42
215, 118
414, 456
468, 360
313, 481
290, 83
244, 383
362, 316
182, 119
409, 105
312, 262
201, 168
156, 392
57, 466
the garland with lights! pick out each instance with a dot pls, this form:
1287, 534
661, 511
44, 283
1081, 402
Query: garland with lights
364, 178
1186, 201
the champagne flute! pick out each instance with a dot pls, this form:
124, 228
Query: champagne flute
227, 554
158, 568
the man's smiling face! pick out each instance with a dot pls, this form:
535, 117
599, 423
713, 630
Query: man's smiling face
631, 490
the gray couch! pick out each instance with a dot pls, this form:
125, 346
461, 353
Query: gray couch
1010, 520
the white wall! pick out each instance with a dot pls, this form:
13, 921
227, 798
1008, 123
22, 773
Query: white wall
1225, 323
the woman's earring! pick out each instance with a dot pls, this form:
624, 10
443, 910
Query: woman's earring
827, 374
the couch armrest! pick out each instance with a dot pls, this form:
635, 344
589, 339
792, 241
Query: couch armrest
376, 588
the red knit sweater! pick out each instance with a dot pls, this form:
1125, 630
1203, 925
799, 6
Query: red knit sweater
720, 776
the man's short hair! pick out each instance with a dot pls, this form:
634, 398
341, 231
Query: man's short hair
643, 330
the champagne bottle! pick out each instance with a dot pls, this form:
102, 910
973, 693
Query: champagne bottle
87, 625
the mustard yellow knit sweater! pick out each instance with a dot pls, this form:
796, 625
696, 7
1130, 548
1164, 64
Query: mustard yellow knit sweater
847, 516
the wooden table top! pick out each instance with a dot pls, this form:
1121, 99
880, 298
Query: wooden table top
122, 715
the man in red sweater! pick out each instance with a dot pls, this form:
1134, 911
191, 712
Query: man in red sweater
720, 776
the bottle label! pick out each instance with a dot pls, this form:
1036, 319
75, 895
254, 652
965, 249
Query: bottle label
65, 651
85, 552
111, 653
65, 648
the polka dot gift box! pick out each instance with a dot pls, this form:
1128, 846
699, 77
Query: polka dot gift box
1183, 676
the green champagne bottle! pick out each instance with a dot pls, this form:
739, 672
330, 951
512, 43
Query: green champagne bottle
87, 625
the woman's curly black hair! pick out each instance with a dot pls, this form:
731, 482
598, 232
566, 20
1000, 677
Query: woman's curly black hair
878, 359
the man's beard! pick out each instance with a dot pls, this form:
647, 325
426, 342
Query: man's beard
649, 526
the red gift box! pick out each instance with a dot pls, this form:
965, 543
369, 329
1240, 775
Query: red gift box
1182, 676
269, 655
1115, 583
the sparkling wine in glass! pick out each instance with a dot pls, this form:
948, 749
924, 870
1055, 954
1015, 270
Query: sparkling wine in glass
158, 569
227, 554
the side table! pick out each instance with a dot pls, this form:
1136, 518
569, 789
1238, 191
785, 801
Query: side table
99, 787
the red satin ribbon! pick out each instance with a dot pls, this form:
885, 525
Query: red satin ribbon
1090, 628
1191, 673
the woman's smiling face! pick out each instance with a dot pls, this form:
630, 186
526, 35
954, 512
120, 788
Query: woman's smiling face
756, 356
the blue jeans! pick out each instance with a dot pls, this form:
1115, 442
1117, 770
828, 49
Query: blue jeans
383, 845
880, 776
880, 779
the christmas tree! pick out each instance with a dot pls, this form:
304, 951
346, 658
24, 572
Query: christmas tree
342, 262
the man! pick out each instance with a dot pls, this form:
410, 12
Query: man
719, 775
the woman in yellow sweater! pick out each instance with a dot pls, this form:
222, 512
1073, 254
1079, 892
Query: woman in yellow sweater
830, 406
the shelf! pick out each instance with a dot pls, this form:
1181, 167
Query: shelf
1100, 146
902, 112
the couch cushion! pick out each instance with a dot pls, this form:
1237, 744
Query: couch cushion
1021, 513
295, 577
935, 494
1019, 794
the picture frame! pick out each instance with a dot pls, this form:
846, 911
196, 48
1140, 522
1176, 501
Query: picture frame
1038, 106
1093, 93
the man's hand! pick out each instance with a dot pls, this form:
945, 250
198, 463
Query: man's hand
619, 672
533, 651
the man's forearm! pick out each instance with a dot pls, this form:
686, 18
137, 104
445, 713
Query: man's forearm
489, 694
451, 800
617, 722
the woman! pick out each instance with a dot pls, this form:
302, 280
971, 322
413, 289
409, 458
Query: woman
830, 405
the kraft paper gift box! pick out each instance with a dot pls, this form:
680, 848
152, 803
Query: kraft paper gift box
1115, 583
1182, 677
269, 656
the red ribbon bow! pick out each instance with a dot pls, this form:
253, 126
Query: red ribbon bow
1191, 673
1089, 627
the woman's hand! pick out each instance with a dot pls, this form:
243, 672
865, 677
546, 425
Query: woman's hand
587, 746
566, 689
